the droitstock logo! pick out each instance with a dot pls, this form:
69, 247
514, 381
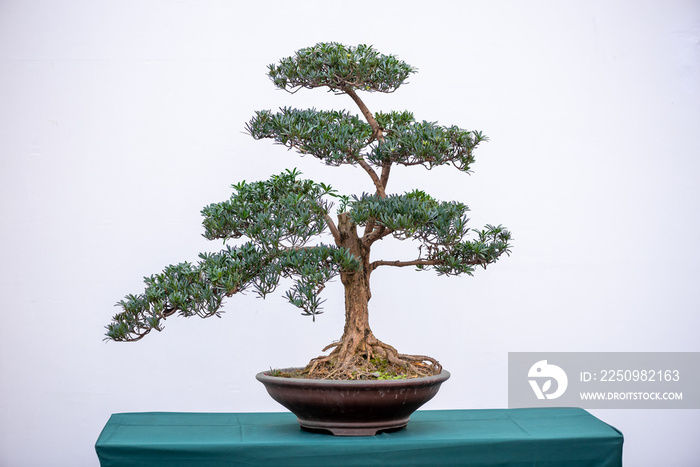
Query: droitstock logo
604, 380
542, 374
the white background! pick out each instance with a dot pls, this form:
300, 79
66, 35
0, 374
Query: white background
120, 120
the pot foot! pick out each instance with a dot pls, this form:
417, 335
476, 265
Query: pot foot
351, 430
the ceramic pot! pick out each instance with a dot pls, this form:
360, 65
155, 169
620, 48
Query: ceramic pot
352, 408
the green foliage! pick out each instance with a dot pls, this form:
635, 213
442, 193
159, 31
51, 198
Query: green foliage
340, 67
199, 289
190, 289
282, 212
342, 138
459, 258
280, 216
413, 215
408, 142
332, 136
440, 227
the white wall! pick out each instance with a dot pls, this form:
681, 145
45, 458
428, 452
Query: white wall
120, 120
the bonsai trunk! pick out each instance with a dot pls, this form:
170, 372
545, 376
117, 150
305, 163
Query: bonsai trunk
358, 354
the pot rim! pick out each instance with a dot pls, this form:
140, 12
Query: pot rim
263, 377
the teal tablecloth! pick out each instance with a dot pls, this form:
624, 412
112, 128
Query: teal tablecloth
552, 437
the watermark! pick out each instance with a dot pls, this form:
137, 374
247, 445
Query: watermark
604, 380
547, 373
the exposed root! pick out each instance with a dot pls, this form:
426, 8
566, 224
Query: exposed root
368, 359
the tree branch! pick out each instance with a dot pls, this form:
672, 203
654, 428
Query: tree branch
400, 264
378, 134
376, 234
386, 168
369, 228
380, 182
332, 227
373, 175
134, 339
377, 131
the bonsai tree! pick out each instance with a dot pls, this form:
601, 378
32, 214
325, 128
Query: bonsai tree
285, 218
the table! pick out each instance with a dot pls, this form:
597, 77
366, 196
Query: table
487, 437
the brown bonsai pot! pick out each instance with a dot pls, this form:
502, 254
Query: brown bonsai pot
352, 408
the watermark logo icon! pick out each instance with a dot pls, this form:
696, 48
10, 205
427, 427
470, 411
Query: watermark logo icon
545, 372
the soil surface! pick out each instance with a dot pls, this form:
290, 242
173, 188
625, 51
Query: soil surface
363, 369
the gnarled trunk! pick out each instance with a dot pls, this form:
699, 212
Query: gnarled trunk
358, 354
356, 283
